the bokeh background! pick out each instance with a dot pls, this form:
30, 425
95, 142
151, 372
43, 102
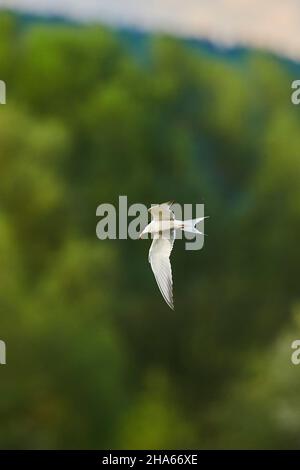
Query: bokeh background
95, 358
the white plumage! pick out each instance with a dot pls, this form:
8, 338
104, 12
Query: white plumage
163, 230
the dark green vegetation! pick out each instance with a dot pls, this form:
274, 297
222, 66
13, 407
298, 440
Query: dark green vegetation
95, 358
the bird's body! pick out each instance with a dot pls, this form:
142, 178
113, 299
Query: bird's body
157, 226
163, 231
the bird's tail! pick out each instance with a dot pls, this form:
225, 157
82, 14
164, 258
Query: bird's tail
190, 225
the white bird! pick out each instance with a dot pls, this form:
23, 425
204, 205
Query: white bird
163, 231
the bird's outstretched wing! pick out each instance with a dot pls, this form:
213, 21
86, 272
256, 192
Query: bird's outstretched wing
159, 258
162, 211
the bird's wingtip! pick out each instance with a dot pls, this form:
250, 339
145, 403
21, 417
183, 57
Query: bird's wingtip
170, 203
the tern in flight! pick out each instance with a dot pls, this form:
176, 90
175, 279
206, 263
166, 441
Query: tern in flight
163, 231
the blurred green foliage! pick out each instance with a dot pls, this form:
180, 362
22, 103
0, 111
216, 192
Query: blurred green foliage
95, 357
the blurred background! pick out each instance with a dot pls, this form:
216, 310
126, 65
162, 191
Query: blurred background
124, 106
